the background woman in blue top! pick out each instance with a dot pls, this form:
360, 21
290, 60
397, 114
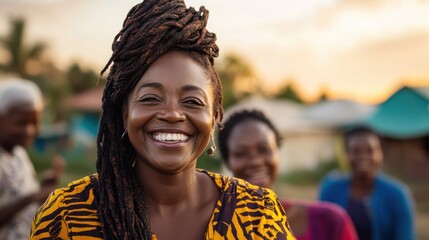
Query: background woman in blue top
380, 207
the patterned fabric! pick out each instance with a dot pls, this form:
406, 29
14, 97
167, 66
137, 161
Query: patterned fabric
243, 211
17, 180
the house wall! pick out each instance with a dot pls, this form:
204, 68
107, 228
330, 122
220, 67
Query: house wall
407, 159
303, 151
306, 150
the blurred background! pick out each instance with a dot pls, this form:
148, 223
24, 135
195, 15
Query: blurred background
314, 67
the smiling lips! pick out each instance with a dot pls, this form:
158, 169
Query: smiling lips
259, 177
170, 137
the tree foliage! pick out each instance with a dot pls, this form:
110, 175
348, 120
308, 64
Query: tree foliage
80, 79
231, 69
26, 60
289, 92
19, 54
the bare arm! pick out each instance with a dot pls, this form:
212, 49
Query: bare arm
49, 181
9, 210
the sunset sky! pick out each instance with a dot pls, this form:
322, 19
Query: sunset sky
357, 49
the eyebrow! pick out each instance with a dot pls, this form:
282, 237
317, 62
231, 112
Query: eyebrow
189, 88
150, 85
186, 88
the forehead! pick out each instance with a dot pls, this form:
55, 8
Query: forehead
24, 108
363, 139
251, 132
22, 113
174, 68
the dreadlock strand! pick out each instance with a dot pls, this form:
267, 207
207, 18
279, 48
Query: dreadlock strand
149, 30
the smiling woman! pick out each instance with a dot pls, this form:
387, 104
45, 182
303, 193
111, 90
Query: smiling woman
249, 145
161, 105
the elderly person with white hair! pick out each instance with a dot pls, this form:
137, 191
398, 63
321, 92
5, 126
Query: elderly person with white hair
21, 107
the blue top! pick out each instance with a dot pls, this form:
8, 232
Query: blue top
390, 204
358, 210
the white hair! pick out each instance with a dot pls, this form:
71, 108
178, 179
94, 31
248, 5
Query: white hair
17, 91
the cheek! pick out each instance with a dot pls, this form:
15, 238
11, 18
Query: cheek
378, 157
136, 117
274, 160
235, 165
203, 122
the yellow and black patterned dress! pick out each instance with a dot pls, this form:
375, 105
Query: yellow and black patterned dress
243, 211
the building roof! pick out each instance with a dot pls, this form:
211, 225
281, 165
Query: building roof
424, 91
403, 115
338, 113
290, 117
284, 114
88, 101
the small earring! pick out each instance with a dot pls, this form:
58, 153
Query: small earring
133, 164
123, 135
211, 151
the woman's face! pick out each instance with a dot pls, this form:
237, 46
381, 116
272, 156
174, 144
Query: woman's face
20, 125
253, 153
169, 114
365, 154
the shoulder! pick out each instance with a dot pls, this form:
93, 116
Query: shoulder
63, 208
250, 210
328, 211
21, 153
244, 191
387, 185
389, 182
335, 180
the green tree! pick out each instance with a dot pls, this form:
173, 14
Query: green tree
19, 54
323, 97
231, 69
80, 79
289, 92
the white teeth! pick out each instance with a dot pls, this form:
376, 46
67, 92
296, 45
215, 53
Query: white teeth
173, 137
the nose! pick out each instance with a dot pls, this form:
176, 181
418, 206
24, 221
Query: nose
255, 159
172, 112
31, 130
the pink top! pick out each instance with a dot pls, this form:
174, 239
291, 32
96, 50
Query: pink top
326, 221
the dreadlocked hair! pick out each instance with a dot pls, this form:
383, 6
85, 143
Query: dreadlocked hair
237, 118
151, 29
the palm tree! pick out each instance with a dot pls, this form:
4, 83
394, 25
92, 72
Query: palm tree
19, 54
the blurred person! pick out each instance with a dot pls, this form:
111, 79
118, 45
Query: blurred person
21, 106
381, 207
161, 104
249, 144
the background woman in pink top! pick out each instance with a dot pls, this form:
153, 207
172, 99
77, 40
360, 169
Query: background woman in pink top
249, 144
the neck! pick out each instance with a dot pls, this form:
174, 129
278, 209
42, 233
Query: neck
164, 190
362, 185
7, 148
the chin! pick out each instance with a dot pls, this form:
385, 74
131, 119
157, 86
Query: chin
364, 173
173, 166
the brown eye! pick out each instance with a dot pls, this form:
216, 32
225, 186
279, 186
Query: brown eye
239, 154
194, 101
264, 150
150, 99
